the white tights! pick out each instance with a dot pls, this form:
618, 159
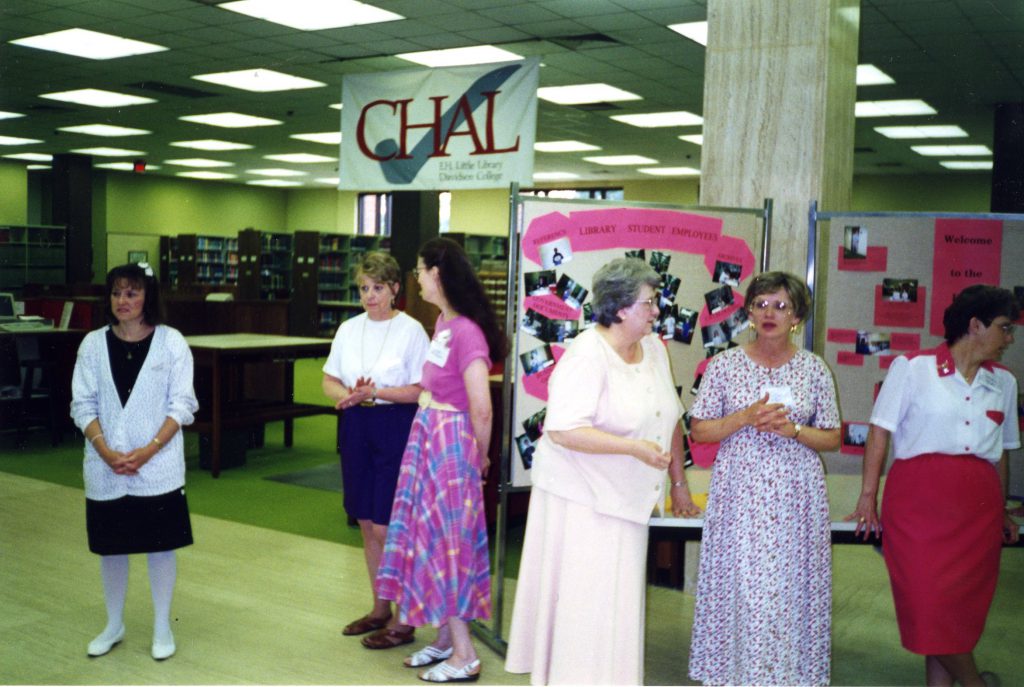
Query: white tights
163, 571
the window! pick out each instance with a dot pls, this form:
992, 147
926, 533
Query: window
374, 214
591, 193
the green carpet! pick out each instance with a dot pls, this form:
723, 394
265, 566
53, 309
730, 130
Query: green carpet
326, 477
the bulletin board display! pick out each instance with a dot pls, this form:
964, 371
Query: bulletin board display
705, 259
890, 278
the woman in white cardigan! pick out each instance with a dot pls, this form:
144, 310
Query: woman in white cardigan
131, 394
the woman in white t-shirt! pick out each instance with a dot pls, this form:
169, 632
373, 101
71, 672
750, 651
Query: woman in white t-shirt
373, 374
952, 415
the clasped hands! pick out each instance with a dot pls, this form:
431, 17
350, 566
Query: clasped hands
129, 462
361, 391
769, 417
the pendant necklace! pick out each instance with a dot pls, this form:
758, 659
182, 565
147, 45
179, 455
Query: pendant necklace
380, 351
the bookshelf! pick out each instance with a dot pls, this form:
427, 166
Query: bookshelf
188, 259
265, 270
485, 253
32, 254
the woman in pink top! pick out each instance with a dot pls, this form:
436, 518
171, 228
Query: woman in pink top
435, 565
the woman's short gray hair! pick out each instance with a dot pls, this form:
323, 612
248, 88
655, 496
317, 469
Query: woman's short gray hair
617, 286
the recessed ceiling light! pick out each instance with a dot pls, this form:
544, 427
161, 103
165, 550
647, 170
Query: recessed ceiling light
333, 181
10, 115
123, 166
563, 147
273, 182
967, 164
17, 141
870, 75
327, 138
696, 31
933, 151
97, 97
657, 119
230, 120
669, 171
454, 57
33, 157
198, 162
109, 152
300, 158
104, 130
91, 44
892, 108
696, 139
211, 144
276, 172
259, 80
312, 15
207, 175
950, 131
581, 94
554, 176
621, 160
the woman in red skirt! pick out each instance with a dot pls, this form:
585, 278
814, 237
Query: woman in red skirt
952, 415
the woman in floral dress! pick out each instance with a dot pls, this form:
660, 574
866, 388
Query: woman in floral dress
764, 592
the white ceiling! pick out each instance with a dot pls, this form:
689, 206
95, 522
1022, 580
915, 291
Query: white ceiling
961, 56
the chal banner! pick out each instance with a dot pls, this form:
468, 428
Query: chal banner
439, 129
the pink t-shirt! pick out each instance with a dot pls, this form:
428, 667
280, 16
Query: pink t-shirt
456, 344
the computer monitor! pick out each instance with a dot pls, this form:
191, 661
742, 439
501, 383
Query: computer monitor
6, 305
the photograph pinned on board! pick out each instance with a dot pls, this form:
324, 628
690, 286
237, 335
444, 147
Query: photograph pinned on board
738, 321
715, 335
638, 253
571, 291
534, 425
855, 243
555, 253
589, 319
668, 290
557, 331
719, 299
872, 343
665, 325
696, 385
686, 325
899, 290
537, 359
660, 261
539, 283
727, 273
855, 433
533, 323
526, 448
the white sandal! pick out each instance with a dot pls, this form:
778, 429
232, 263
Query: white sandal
442, 672
428, 656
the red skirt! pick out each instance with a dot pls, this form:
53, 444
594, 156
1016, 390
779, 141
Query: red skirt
942, 520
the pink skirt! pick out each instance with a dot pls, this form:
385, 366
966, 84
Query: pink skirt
942, 519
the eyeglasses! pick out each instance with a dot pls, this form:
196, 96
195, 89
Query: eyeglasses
1008, 328
777, 306
649, 302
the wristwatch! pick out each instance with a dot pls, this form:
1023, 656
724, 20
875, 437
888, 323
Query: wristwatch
797, 427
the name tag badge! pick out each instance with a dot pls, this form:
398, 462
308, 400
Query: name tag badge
439, 349
779, 394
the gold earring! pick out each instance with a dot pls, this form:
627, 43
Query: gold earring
793, 328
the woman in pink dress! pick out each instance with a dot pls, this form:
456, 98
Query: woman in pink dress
764, 590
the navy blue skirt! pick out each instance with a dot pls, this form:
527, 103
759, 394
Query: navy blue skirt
138, 524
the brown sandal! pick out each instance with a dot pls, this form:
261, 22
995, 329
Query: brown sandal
389, 638
365, 624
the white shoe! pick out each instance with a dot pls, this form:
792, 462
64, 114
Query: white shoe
163, 649
104, 643
428, 656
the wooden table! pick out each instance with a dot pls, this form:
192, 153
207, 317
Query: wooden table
230, 405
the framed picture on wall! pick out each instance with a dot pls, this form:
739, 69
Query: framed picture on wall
138, 256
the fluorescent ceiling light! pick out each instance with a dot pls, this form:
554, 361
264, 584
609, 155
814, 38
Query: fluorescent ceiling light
276, 172
109, 152
38, 167
259, 80
621, 160
333, 181
207, 175
584, 93
104, 130
932, 151
327, 138
696, 31
870, 75
454, 57
32, 157
17, 141
967, 164
91, 44
312, 15
554, 176
273, 182
657, 119
696, 139
336, 106
670, 171
97, 97
300, 158
892, 108
198, 162
563, 147
211, 144
123, 166
10, 115
230, 120
950, 131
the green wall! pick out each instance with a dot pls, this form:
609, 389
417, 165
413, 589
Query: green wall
922, 193
325, 210
13, 193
